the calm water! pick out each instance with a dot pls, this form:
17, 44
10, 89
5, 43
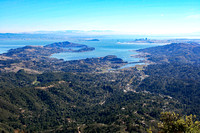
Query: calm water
105, 47
5, 45
102, 48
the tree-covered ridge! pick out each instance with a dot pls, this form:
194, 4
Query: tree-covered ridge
29, 52
180, 81
176, 73
78, 101
65, 44
175, 52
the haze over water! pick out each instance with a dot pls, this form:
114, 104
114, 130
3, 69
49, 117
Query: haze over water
103, 48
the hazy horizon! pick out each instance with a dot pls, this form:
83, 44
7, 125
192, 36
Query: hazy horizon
125, 17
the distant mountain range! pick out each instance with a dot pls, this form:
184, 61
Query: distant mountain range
60, 35
66, 34
75, 32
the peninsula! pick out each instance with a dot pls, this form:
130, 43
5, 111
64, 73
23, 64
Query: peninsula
164, 41
36, 59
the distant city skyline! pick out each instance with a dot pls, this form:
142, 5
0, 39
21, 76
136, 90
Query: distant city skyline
121, 16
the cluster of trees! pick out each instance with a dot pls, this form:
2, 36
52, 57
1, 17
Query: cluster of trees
180, 81
179, 78
55, 101
173, 123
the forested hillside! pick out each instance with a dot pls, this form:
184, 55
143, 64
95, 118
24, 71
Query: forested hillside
176, 73
85, 96
68, 101
175, 52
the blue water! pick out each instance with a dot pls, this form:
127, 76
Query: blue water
102, 48
5, 45
105, 47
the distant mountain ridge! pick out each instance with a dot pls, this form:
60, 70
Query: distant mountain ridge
175, 52
65, 44
59, 35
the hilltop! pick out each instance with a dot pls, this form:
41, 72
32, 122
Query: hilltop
175, 52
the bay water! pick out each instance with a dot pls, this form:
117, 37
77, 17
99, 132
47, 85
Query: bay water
103, 48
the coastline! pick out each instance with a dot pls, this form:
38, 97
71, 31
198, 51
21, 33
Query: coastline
139, 43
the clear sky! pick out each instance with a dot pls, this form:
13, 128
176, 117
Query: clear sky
133, 16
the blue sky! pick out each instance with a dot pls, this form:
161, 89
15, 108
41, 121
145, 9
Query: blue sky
125, 16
